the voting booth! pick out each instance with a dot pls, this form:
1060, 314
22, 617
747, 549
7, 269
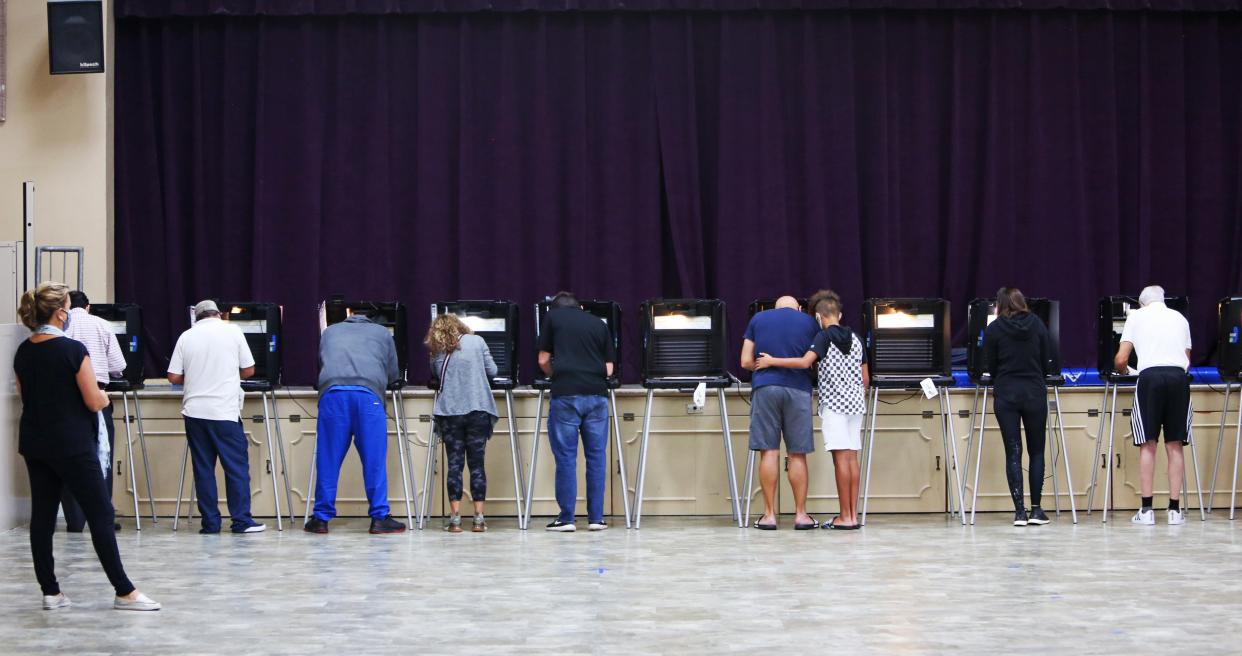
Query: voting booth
497, 323
1111, 315
125, 320
684, 349
261, 325
392, 316
609, 312
1229, 366
979, 315
907, 344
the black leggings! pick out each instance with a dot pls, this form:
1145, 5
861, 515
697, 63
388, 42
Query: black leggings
465, 439
83, 477
1032, 410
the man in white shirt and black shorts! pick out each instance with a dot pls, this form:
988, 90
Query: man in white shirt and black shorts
210, 360
1161, 338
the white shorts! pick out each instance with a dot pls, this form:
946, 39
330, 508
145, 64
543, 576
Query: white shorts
842, 432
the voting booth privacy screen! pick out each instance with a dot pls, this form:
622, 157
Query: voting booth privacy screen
497, 323
1111, 319
125, 320
684, 340
607, 311
260, 323
907, 338
982, 312
1229, 342
392, 315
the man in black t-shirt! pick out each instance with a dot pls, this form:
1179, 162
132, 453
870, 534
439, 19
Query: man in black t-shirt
576, 352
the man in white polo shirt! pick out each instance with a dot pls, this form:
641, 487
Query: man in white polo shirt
210, 360
107, 360
1161, 338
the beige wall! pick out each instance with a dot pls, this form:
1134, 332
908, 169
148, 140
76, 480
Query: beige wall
58, 134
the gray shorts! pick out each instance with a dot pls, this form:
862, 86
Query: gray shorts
775, 410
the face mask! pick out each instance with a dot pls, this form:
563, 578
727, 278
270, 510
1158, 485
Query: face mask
66, 326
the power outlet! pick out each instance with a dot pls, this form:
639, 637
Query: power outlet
692, 409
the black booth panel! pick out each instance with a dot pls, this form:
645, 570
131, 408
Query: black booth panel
1110, 317
1229, 341
128, 328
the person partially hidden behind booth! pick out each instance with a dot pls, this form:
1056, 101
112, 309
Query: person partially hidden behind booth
357, 365
1160, 336
108, 361
209, 360
464, 412
781, 404
58, 436
1017, 350
842, 398
576, 352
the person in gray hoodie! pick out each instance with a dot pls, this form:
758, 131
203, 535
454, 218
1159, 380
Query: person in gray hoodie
464, 412
1018, 352
357, 365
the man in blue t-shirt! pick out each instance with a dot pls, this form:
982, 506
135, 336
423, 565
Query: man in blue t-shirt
781, 403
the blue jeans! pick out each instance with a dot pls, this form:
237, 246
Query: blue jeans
358, 413
568, 416
210, 439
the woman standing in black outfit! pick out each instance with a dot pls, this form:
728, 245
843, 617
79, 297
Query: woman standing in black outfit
59, 438
1018, 353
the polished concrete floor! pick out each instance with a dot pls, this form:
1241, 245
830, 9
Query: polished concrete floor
905, 584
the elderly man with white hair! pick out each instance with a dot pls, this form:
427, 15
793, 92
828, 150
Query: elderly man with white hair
1161, 338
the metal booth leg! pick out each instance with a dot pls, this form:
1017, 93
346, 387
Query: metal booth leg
951, 436
642, 463
1194, 459
310, 481
1108, 464
983, 420
409, 456
284, 461
524, 520
970, 436
129, 450
185, 459
875, 410
1069, 479
616, 429
750, 481
1099, 450
405, 471
517, 456
944, 445
729, 465
271, 459
1237, 446
146, 461
433, 439
1050, 446
1220, 440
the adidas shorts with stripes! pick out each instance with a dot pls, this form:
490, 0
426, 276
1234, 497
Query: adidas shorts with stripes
1162, 403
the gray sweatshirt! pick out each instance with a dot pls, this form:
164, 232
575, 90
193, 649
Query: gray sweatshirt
357, 352
466, 386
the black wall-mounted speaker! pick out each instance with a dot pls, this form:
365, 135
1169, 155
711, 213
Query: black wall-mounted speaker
75, 36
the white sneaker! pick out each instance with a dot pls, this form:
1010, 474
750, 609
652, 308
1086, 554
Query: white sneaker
254, 528
1176, 518
1144, 517
597, 526
143, 602
56, 601
560, 527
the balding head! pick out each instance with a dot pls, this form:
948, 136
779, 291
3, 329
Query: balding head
787, 302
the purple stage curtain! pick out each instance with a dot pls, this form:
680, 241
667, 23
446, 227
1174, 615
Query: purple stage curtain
626, 156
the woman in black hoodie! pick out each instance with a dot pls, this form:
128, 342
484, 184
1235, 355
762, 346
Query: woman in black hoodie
1018, 353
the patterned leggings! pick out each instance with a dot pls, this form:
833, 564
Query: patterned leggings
465, 439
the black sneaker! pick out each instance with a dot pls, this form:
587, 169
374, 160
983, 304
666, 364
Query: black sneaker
316, 525
1038, 516
208, 531
561, 527
386, 525
1019, 518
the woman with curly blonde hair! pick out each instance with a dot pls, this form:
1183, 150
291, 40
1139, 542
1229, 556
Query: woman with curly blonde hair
465, 411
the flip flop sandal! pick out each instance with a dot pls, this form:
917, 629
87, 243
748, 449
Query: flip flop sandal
765, 527
807, 527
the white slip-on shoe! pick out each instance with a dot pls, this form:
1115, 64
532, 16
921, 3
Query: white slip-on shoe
1144, 517
143, 602
1176, 518
56, 601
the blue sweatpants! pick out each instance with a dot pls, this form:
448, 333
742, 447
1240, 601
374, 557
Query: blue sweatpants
211, 439
356, 413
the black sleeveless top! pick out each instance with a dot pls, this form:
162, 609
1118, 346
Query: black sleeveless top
55, 420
